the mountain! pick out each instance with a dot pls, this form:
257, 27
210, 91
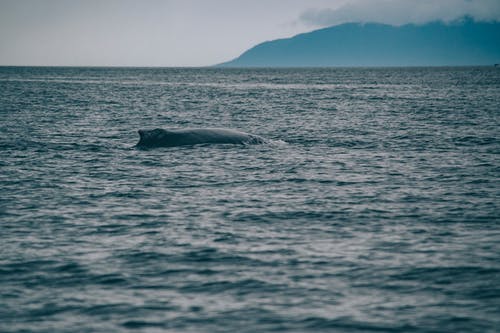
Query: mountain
354, 44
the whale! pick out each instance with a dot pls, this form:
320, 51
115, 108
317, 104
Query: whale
159, 137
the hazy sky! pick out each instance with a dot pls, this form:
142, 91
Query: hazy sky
190, 32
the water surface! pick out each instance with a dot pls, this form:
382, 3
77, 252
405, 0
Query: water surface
374, 208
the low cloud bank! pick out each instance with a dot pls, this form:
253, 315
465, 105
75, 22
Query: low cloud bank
399, 12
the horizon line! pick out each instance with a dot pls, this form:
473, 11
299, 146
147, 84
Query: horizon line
218, 66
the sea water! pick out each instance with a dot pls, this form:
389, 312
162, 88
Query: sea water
374, 206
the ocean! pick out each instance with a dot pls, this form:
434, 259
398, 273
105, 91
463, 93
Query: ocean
374, 205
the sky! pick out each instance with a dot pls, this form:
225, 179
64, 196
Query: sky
171, 33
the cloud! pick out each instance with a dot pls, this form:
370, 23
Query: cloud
399, 12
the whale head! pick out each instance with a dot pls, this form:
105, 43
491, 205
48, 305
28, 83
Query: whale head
152, 138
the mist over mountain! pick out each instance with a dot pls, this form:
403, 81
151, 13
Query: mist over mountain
372, 44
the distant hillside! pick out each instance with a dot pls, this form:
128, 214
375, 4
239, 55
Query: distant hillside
353, 44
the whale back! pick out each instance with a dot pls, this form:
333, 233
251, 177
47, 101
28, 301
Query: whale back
191, 136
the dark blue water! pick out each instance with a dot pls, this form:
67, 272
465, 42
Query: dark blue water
374, 207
